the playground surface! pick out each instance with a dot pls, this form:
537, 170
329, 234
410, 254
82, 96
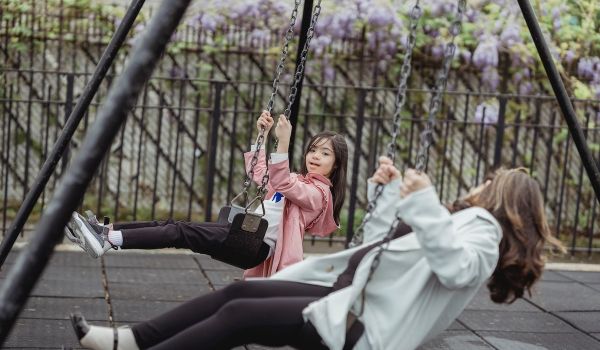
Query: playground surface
128, 287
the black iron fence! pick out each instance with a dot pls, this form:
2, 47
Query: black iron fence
161, 163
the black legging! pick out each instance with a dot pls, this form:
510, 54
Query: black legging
265, 312
199, 237
203, 238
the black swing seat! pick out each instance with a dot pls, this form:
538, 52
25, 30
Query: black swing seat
244, 240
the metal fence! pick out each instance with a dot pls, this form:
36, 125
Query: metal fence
184, 132
197, 114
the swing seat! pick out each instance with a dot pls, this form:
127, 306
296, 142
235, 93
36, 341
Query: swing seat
227, 213
242, 245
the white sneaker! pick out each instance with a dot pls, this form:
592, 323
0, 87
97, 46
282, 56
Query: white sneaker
89, 236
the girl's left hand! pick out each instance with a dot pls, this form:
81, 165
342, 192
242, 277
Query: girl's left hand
413, 182
283, 130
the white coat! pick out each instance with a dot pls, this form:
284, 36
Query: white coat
423, 282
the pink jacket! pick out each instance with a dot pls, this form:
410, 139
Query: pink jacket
308, 208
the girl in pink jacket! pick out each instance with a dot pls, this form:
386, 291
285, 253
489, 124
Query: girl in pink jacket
296, 203
309, 201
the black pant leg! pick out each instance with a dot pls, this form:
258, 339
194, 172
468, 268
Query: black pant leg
140, 224
274, 321
199, 237
197, 310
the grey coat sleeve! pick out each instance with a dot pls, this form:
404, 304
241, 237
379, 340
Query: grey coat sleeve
458, 260
385, 211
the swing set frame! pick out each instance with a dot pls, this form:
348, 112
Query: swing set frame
30, 264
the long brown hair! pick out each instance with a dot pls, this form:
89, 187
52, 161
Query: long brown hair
339, 171
515, 200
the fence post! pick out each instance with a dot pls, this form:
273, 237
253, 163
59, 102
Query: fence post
500, 127
68, 109
213, 139
67, 133
360, 110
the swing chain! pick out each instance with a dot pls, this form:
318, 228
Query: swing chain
377, 261
284, 54
254, 161
262, 190
405, 71
426, 138
275, 87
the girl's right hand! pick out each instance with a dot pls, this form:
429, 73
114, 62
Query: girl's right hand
413, 181
386, 172
265, 121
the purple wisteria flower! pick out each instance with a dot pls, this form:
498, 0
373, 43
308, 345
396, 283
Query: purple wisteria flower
526, 87
441, 8
490, 77
472, 15
486, 53
320, 44
380, 17
437, 51
569, 56
342, 23
556, 23
585, 68
259, 37
209, 21
362, 6
524, 73
329, 74
556, 16
390, 48
465, 54
511, 35
280, 7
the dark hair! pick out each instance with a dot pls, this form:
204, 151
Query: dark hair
515, 200
338, 173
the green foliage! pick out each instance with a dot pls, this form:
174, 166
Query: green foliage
561, 136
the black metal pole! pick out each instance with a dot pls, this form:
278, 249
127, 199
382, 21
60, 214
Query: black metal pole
500, 128
70, 126
66, 155
562, 97
306, 17
212, 150
121, 99
360, 122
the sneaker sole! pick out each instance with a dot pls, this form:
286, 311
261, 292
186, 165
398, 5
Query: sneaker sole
85, 233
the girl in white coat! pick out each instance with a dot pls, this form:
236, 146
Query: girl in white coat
424, 280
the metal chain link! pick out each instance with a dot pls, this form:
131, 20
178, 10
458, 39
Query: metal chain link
275, 87
426, 136
299, 74
284, 54
405, 71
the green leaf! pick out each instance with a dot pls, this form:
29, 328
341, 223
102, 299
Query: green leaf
582, 91
561, 136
